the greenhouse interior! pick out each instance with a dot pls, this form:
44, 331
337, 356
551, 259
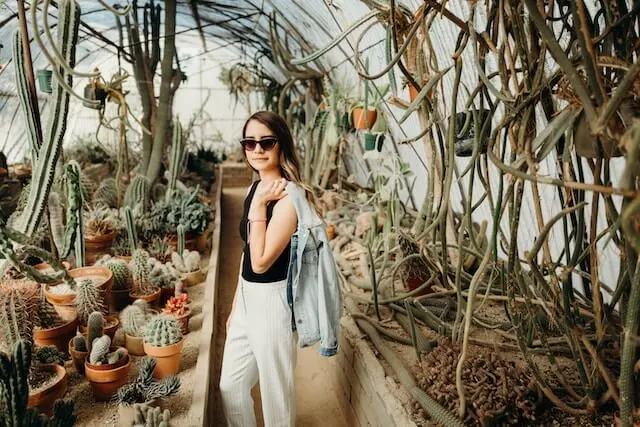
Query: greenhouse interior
453, 188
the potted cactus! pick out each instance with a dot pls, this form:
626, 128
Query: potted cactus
134, 318
122, 280
145, 415
144, 389
99, 232
165, 277
163, 341
50, 329
80, 345
178, 306
141, 286
88, 301
107, 367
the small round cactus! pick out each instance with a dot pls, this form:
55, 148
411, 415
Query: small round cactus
134, 317
162, 331
122, 276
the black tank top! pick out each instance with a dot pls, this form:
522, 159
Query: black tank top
278, 271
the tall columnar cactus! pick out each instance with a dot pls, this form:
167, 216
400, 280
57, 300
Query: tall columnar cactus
28, 103
137, 195
56, 220
106, 194
148, 416
145, 387
44, 168
140, 271
135, 317
131, 229
88, 300
162, 331
74, 232
177, 155
181, 239
95, 328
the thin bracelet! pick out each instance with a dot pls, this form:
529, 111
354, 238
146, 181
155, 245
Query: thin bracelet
257, 220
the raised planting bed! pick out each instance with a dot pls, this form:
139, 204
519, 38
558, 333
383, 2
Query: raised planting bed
189, 405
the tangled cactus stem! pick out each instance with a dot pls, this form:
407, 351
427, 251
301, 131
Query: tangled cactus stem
177, 154
44, 169
95, 328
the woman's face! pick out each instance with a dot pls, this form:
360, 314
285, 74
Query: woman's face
261, 158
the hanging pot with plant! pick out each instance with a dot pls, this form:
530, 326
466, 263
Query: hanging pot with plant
44, 80
373, 141
466, 122
362, 120
94, 92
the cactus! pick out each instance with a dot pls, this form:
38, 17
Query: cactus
131, 230
47, 316
74, 231
137, 195
158, 191
50, 354
160, 249
106, 194
181, 239
162, 331
140, 270
79, 343
162, 275
15, 322
145, 387
122, 277
146, 416
99, 349
113, 357
56, 220
175, 162
88, 300
49, 150
95, 328
134, 317
63, 415
15, 387
28, 103
187, 263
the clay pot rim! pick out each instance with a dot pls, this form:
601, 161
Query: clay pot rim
101, 238
60, 371
110, 366
73, 349
48, 331
135, 297
166, 351
76, 273
186, 314
91, 373
106, 317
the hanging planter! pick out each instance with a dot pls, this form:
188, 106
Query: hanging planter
44, 80
359, 121
373, 141
594, 147
93, 92
465, 138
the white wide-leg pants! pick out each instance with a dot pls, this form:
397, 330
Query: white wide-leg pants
259, 344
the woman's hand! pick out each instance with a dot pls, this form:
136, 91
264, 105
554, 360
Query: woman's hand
274, 191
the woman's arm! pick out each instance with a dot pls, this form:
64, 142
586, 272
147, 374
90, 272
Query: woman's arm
266, 243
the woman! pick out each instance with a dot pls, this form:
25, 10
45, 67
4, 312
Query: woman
261, 343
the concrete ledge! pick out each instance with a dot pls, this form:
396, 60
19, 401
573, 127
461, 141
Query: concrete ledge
201, 404
236, 175
370, 397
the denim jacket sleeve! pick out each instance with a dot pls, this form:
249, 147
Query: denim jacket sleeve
329, 299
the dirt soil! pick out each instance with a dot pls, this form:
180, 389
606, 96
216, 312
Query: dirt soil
317, 400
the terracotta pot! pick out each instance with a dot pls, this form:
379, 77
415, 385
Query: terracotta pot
167, 358
96, 246
119, 299
359, 121
189, 243
78, 357
331, 231
193, 278
183, 320
63, 304
102, 277
105, 380
413, 92
153, 299
43, 400
202, 242
134, 345
58, 336
109, 330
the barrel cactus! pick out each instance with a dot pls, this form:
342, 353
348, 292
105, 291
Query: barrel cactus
135, 317
80, 343
122, 277
188, 262
162, 331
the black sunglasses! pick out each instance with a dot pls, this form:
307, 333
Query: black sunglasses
267, 143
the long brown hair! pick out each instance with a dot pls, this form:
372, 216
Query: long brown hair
289, 161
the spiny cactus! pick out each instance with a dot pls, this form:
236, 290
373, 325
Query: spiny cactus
145, 387
56, 216
131, 229
181, 240
177, 156
146, 416
88, 299
160, 249
134, 317
80, 343
47, 316
74, 231
158, 191
162, 331
140, 270
63, 415
137, 195
114, 356
189, 262
15, 322
95, 328
122, 277
50, 354
106, 194
162, 275
99, 349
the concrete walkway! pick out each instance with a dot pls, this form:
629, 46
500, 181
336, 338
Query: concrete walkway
317, 400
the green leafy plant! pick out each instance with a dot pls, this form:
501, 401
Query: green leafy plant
145, 388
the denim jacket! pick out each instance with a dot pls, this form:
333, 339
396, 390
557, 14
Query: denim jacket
313, 284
